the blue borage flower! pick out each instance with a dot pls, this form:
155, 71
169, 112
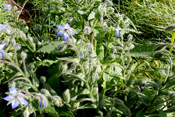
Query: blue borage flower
42, 105
5, 27
2, 47
66, 30
7, 7
118, 30
81, 56
15, 98
142, 87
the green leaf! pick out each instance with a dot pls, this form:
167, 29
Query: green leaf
122, 107
144, 99
100, 51
91, 106
162, 114
71, 59
91, 15
143, 50
140, 114
66, 96
48, 48
82, 12
46, 62
101, 102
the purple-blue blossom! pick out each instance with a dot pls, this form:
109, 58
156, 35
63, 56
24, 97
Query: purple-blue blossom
2, 47
5, 27
15, 98
7, 7
42, 104
117, 30
65, 30
142, 87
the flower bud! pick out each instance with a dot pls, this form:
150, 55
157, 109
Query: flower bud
31, 65
131, 46
17, 46
57, 101
43, 79
130, 36
23, 55
15, 8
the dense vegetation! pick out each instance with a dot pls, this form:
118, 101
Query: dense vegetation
87, 58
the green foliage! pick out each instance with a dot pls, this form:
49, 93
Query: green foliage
94, 70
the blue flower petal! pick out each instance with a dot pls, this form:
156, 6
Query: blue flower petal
59, 26
118, 27
7, 7
40, 105
117, 34
8, 98
23, 101
67, 25
1, 55
65, 36
143, 85
80, 55
59, 33
72, 32
13, 90
44, 105
8, 30
14, 104
2, 45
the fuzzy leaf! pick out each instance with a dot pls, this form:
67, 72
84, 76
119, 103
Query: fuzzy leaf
143, 50
48, 48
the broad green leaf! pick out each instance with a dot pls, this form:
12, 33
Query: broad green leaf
100, 51
143, 50
162, 114
140, 114
48, 48
46, 62
119, 104
144, 99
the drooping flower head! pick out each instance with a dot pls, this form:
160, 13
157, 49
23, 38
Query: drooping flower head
117, 30
66, 30
15, 98
42, 101
1, 47
142, 87
42, 105
81, 56
7, 7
